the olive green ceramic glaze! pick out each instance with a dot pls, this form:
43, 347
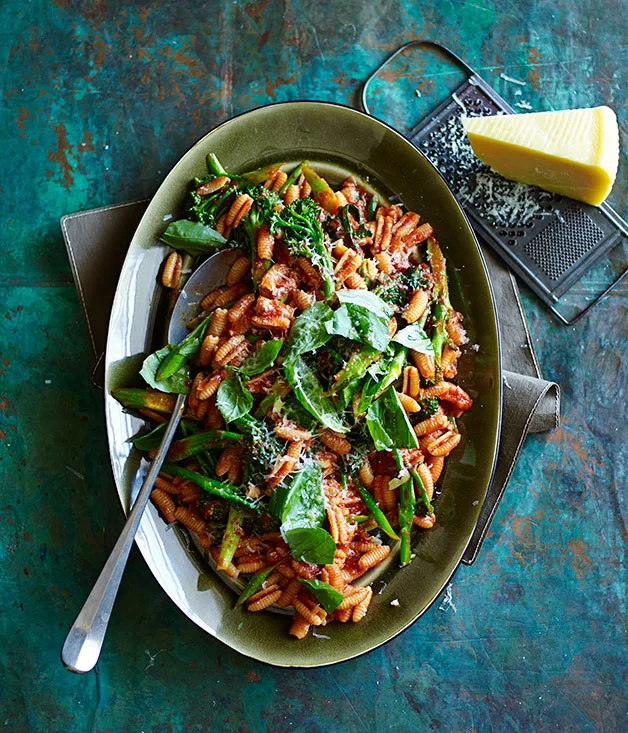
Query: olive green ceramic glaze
323, 132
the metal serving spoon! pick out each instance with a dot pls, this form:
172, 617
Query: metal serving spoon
84, 641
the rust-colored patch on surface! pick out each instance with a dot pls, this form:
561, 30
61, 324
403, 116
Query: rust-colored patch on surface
578, 558
253, 676
261, 41
87, 143
255, 10
22, 114
533, 55
61, 155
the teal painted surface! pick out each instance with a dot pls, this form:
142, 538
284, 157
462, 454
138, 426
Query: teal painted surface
99, 100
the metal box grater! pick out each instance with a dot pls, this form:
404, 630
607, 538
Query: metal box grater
550, 241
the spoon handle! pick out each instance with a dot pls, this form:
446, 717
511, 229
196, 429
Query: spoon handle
84, 641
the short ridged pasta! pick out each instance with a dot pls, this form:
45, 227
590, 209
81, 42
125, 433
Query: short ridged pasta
171, 273
411, 381
408, 403
218, 324
239, 209
265, 243
210, 342
359, 611
239, 308
263, 599
373, 557
300, 627
416, 306
212, 186
335, 442
432, 423
164, 503
239, 271
289, 593
424, 363
191, 519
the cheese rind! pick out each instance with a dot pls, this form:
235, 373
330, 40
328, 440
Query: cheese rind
573, 152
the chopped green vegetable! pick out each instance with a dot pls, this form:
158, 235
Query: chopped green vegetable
255, 583
217, 488
360, 231
214, 166
358, 323
177, 383
394, 371
325, 594
377, 514
262, 358
181, 353
303, 235
151, 440
405, 511
292, 178
356, 367
230, 539
195, 444
321, 189
233, 399
134, 398
193, 237
424, 497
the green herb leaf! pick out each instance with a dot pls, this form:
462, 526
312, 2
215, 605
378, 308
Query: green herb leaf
310, 394
367, 299
304, 503
255, 583
309, 330
193, 237
177, 383
388, 423
414, 337
311, 544
261, 359
325, 594
233, 399
358, 323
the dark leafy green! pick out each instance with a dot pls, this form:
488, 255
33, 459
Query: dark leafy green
262, 358
360, 231
233, 399
310, 394
151, 440
255, 583
311, 544
193, 237
309, 331
394, 371
304, 503
388, 423
359, 323
325, 594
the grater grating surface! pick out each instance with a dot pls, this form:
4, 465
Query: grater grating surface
550, 241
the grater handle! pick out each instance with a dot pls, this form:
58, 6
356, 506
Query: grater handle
411, 44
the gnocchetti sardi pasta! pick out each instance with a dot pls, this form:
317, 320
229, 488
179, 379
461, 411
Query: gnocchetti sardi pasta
322, 400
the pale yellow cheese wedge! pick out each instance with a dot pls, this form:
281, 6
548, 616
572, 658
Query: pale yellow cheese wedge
573, 152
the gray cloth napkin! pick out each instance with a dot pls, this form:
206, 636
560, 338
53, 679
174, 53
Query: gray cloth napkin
97, 242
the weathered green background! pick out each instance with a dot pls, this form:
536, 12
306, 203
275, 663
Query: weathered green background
99, 99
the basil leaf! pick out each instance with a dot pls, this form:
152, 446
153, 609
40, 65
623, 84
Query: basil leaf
367, 299
261, 359
304, 503
233, 399
178, 383
309, 392
309, 331
193, 237
388, 423
325, 594
255, 583
360, 324
311, 544
414, 337
183, 351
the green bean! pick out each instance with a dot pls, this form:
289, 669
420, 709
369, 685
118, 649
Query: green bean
378, 514
406, 512
217, 488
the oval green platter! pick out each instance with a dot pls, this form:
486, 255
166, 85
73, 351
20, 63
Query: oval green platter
339, 135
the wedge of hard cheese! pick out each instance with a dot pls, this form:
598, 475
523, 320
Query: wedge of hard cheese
573, 152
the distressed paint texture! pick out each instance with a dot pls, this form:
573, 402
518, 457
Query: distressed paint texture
99, 99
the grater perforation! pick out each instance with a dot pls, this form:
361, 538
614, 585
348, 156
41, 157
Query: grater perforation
550, 241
